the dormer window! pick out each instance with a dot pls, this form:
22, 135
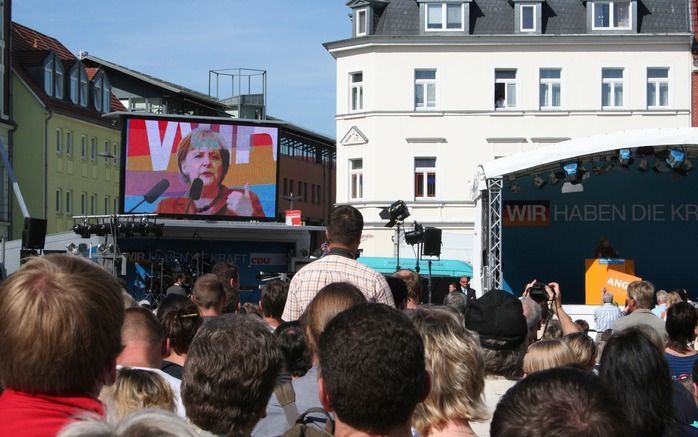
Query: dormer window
58, 78
48, 74
53, 76
528, 18
611, 15
361, 22
74, 85
101, 92
445, 17
106, 94
78, 85
83, 87
97, 93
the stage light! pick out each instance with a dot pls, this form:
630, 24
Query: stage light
538, 181
553, 178
82, 229
72, 248
397, 212
642, 165
625, 157
415, 236
676, 158
572, 173
687, 166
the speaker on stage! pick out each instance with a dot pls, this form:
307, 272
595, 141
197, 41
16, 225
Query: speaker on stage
34, 233
432, 242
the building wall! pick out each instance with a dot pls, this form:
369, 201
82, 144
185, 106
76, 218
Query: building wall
465, 130
309, 173
95, 176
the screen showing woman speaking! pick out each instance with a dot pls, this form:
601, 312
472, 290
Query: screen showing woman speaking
189, 168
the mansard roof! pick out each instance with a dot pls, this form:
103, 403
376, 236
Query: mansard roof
560, 17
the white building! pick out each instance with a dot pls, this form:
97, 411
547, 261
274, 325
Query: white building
427, 90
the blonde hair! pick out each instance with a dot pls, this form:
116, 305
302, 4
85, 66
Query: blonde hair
547, 354
457, 371
331, 300
138, 389
59, 306
583, 348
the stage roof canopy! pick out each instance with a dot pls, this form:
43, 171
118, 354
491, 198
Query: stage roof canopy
585, 148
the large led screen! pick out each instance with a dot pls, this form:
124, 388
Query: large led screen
202, 169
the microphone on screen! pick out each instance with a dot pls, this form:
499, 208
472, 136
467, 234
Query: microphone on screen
153, 194
194, 192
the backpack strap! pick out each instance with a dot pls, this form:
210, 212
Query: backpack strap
286, 396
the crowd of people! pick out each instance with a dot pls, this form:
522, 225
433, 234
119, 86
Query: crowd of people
340, 351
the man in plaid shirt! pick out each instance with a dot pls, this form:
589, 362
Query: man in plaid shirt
344, 235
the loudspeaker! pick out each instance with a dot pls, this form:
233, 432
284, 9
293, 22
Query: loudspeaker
432, 242
34, 233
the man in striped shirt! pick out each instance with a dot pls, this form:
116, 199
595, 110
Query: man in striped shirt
606, 314
344, 236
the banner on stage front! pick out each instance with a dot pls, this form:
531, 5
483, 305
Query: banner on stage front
617, 283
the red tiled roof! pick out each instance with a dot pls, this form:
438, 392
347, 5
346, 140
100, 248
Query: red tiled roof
25, 38
30, 48
91, 72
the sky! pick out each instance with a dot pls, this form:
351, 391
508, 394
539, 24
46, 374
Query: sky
181, 40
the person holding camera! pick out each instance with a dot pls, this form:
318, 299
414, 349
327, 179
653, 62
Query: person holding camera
549, 297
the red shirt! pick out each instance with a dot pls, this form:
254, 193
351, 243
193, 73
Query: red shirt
25, 414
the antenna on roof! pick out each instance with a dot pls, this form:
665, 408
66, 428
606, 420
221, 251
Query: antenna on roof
82, 54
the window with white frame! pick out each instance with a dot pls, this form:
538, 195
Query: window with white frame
116, 154
361, 22
68, 202
59, 141
505, 88
444, 17
527, 18
83, 86
116, 206
97, 93
93, 204
611, 14
107, 148
69, 143
83, 203
424, 178
550, 87
107, 201
356, 91
106, 94
425, 89
83, 147
74, 84
356, 178
612, 87
657, 87
59, 200
59, 79
93, 149
48, 75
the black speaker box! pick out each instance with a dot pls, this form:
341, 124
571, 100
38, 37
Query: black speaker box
34, 233
432, 242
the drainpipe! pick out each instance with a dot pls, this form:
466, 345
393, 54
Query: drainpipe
46, 120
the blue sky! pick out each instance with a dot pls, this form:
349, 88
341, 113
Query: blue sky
181, 40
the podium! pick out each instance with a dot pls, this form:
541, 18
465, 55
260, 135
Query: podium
596, 273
